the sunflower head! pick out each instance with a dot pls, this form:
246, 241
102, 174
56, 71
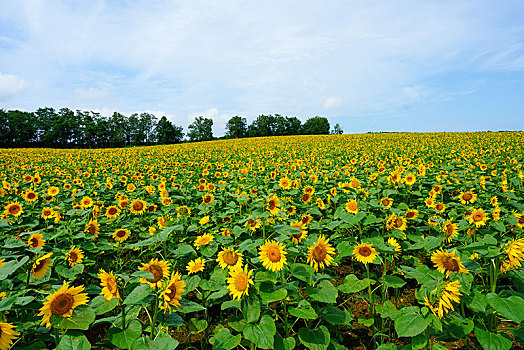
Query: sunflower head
7, 335
229, 258
273, 255
159, 269
352, 206
448, 262
365, 253
36, 241
62, 303
74, 256
321, 253
121, 234
172, 294
109, 285
137, 206
239, 281
112, 212
92, 227
195, 266
41, 266
204, 239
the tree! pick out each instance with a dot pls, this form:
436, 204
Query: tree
147, 124
338, 130
117, 127
236, 127
316, 126
201, 129
167, 133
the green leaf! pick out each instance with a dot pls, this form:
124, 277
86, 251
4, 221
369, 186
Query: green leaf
224, 340
125, 338
183, 250
512, 308
138, 294
11, 266
69, 273
394, 281
314, 339
143, 343
196, 325
82, 317
303, 272
284, 343
5, 305
12, 243
459, 327
344, 249
101, 305
165, 342
74, 341
387, 310
230, 304
334, 315
492, 341
353, 285
269, 294
192, 283
261, 334
143, 274
187, 306
251, 308
327, 293
419, 342
409, 322
368, 322
303, 310
171, 319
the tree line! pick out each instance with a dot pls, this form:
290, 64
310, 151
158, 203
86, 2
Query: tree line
65, 128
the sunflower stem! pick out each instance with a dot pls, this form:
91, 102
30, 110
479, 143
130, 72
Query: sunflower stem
153, 322
28, 277
57, 337
123, 317
284, 303
370, 295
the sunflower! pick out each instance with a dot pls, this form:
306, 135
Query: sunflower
396, 222
272, 255
183, 210
137, 206
478, 217
53, 191
203, 240
302, 234
306, 197
386, 202
86, 202
173, 292
13, 208
411, 214
195, 266
112, 212
441, 207
410, 179
253, 224
449, 294
74, 256
365, 253
352, 206
447, 262
306, 219
520, 219
393, 242
166, 201
208, 198
7, 335
2, 262
495, 214
285, 183
62, 302
494, 201
109, 285
41, 265
430, 202
450, 229
273, 204
159, 269
239, 281
92, 228
204, 220
320, 253
515, 252
36, 240
467, 197
30, 196
229, 258
121, 234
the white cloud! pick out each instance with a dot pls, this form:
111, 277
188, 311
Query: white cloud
332, 102
91, 94
10, 85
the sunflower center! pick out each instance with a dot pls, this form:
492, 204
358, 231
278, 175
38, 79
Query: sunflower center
33, 242
120, 233
450, 264
112, 211
138, 206
319, 253
157, 273
62, 304
385, 202
352, 206
297, 235
271, 205
73, 256
230, 258
274, 254
477, 217
172, 292
241, 282
111, 284
364, 251
398, 222
39, 265
207, 199
14, 209
521, 219
449, 229
467, 196
92, 229
439, 206
31, 195
410, 214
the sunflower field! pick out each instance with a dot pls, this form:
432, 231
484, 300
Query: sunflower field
373, 241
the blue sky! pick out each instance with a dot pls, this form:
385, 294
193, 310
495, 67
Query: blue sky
367, 65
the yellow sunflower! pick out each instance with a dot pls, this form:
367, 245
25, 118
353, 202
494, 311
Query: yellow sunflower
159, 269
441, 207
172, 294
450, 229
137, 206
36, 241
410, 179
515, 253
411, 214
273, 204
272, 255
229, 258
467, 197
53, 191
121, 234
62, 302
365, 253
92, 228
74, 256
478, 217
7, 335
302, 234
396, 222
239, 281
109, 285
394, 243
321, 253
208, 198
86, 202
112, 212
183, 210
253, 224
306, 219
30, 196
41, 265
386, 202
285, 183
448, 262
203, 240
13, 208
520, 219
195, 266
352, 206
448, 295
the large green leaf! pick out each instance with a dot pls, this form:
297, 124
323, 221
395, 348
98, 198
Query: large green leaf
303, 310
138, 294
101, 305
409, 322
11, 266
284, 343
224, 340
74, 341
251, 308
492, 341
314, 339
353, 285
326, 293
187, 306
394, 281
261, 334
82, 317
269, 294
334, 315
69, 273
165, 342
125, 338
512, 307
